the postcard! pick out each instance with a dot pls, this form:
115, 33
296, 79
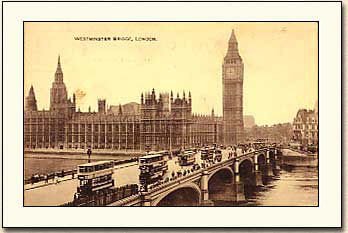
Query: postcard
148, 115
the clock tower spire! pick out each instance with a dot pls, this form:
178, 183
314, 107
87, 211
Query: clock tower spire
232, 84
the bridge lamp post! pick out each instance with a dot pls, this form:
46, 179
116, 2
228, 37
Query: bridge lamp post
89, 152
170, 138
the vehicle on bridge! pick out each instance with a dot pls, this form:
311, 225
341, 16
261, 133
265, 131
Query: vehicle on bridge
152, 168
258, 144
187, 158
218, 155
207, 153
95, 177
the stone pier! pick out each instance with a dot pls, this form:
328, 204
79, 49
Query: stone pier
204, 188
269, 170
257, 173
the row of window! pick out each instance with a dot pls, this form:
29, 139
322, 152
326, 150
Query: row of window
80, 139
307, 126
176, 140
109, 128
308, 119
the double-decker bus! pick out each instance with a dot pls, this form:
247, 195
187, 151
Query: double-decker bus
207, 153
186, 158
152, 167
95, 177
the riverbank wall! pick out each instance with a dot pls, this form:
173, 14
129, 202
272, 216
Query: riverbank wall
297, 159
129, 153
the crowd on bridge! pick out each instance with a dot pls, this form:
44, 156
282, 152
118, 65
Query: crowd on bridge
233, 152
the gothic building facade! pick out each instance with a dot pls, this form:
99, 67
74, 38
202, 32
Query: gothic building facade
162, 122
232, 82
305, 127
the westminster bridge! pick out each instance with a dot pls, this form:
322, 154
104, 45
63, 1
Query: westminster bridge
212, 181
220, 181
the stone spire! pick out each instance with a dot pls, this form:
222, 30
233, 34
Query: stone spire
58, 93
232, 51
58, 77
31, 91
31, 104
120, 110
233, 38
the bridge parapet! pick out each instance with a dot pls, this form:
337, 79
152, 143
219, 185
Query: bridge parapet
133, 200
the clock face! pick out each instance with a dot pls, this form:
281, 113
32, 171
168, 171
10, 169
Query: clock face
230, 72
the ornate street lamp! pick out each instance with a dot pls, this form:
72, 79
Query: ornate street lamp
89, 152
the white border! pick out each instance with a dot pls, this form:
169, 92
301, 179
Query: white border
327, 215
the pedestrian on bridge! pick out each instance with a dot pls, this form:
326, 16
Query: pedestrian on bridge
57, 179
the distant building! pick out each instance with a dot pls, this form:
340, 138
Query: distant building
249, 121
162, 122
305, 127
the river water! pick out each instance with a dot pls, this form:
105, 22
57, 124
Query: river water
297, 186
48, 163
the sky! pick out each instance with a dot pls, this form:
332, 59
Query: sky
280, 63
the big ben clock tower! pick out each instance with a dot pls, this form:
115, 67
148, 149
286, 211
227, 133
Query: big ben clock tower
232, 84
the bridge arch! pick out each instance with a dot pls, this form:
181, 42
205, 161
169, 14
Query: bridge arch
246, 167
187, 188
249, 159
261, 159
227, 168
218, 179
246, 172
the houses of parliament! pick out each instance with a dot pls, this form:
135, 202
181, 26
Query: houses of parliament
160, 121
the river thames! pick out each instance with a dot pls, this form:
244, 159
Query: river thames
292, 187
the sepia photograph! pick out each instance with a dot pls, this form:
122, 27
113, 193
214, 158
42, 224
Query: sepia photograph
185, 114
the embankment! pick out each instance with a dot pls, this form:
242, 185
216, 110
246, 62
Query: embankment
297, 159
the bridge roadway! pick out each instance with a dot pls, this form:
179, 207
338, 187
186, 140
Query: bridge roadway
53, 194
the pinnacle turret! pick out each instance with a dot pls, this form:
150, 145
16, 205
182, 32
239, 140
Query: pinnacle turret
31, 91
31, 104
120, 110
58, 77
